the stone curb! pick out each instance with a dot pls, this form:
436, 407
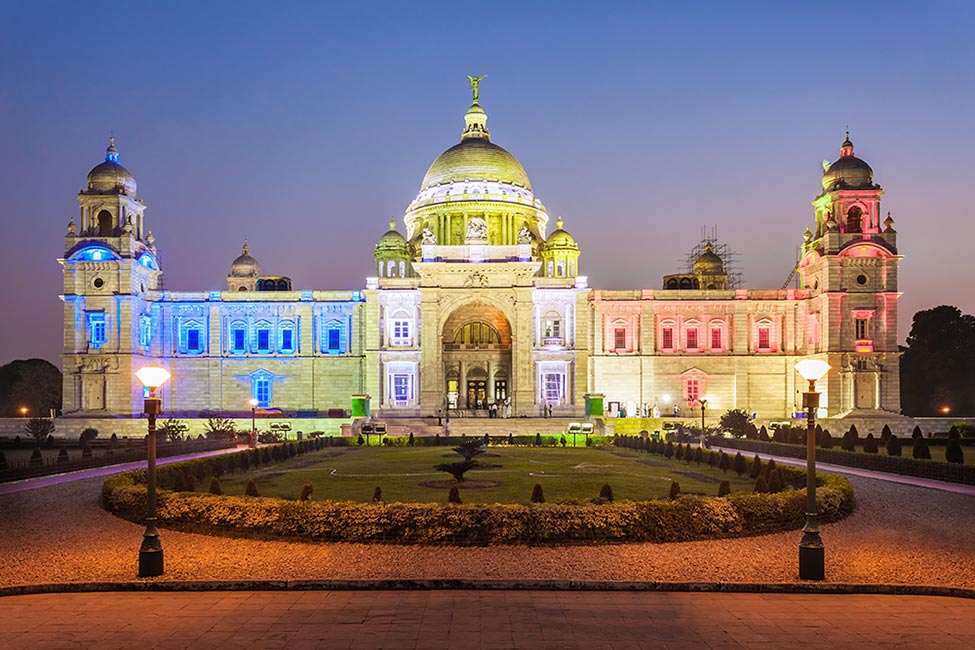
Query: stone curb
520, 585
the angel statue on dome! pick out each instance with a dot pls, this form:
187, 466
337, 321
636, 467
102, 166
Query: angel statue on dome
475, 82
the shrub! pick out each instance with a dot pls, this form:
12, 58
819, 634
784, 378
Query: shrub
265, 456
893, 446
606, 493
739, 465
679, 452
761, 487
770, 468
538, 439
921, 450
724, 488
870, 444
763, 434
360, 440
953, 452
276, 452
36, 459
178, 484
850, 438
306, 491
712, 459
189, 483
251, 489
562, 440
537, 496
216, 466
688, 453
39, 428
215, 486
244, 461
775, 482
454, 495
756, 469
724, 463
436, 440
377, 495
469, 448
89, 434
458, 469
916, 433
511, 439
674, 490
966, 429
63, 455
737, 421
954, 433
411, 441
698, 455
885, 434
669, 450
827, 440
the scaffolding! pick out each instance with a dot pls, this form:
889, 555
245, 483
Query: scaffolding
731, 259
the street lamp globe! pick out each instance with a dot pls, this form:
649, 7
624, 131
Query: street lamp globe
152, 377
812, 369
252, 402
151, 551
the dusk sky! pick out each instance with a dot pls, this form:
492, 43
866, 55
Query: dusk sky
305, 126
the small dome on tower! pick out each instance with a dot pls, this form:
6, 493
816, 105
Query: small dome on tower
708, 263
392, 240
560, 239
110, 177
848, 172
245, 266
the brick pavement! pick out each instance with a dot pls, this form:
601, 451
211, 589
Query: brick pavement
470, 620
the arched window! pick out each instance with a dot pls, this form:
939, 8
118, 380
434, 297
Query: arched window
854, 220
560, 268
551, 269
104, 223
572, 268
390, 267
402, 269
685, 283
477, 334
672, 283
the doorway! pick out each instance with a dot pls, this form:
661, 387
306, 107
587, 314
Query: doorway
476, 394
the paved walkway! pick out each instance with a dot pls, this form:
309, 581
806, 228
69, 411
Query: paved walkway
470, 620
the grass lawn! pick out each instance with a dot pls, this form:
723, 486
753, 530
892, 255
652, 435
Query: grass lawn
351, 474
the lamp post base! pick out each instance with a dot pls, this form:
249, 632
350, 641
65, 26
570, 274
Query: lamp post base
812, 562
150, 553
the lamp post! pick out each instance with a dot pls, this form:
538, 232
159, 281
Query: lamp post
812, 553
253, 441
151, 552
704, 403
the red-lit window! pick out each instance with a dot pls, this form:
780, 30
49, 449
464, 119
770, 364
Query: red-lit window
692, 339
861, 328
667, 338
716, 338
619, 338
764, 338
692, 390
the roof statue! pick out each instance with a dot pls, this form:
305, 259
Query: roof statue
475, 82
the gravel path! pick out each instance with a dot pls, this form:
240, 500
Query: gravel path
899, 534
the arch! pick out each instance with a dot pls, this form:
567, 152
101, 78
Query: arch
477, 334
685, 283
672, 283
105, 226
854, 219
476, 312
865, 249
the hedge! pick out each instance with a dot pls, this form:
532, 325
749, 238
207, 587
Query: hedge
932, 469
685, 519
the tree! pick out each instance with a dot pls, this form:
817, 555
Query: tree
724, 463
870, 444
251, 489
469, 448
916, 433
674, 490
411, 440
953, 452
698, 455
761, 485
826, 442
306, 491
89, 434
737, 421
724, 488
938, 365
669, 450
756, 468
606, 493
220, 428
679, 452
775, 481
454, 495
849, 442
39, 428
739, 464
537, 496
377, 495
215, 486
458, 469
31, 383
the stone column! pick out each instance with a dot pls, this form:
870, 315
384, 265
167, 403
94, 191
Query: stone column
490, 386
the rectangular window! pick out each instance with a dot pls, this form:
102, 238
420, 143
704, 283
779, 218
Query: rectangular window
861, 328
97, 333
553, 328
692, 339
192, 340
145, 331
333, 340
262, 391
401, 332
620, 338
667, 338
764, 338
264, 340
401, 388
287, 340
552, 388
239, 337
693, 390
716, 338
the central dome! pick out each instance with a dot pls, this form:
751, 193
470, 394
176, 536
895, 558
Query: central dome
475, 159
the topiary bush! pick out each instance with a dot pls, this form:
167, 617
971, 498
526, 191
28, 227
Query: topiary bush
921, 450
756, 467
953, 452
36, 459
674, 490
377, 495
870, 444
63, 456
215, 486
885, 434
189, 483
537, 495
761, 486
306, 491
894, 446
724, 463
724, 488
775, 482
739, 464
916, 433
606, 493
251, 489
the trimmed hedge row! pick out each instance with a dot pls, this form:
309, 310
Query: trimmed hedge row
933, 469
684, 519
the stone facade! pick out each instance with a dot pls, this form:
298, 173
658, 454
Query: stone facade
478, 305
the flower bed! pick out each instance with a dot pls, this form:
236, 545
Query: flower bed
684, 519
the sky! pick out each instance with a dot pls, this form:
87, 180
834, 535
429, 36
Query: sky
305, 126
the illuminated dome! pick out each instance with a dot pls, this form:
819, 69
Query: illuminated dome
848, 172
475, 159
110, 176
392, 240
708, 263
245, 266
560, 239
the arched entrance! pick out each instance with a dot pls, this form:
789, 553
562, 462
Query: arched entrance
477, 358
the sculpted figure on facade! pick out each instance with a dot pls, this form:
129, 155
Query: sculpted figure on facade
524, 235
477, 228
428, 238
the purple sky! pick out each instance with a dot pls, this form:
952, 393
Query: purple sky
304, 129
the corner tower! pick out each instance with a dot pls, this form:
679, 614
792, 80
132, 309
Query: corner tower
109, 268
849, 267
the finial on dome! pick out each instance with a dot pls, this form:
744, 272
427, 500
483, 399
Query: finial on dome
111, 154
846, 149
73, 228
889, 224
806, 236
707, 247
475, 82
392, 223
245, 249
558, 223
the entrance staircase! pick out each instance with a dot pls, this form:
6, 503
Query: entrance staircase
475, 426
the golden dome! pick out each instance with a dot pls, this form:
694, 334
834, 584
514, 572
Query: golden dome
392, 241
708, 263
560, 238
110, 176
245, 266
475, 159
